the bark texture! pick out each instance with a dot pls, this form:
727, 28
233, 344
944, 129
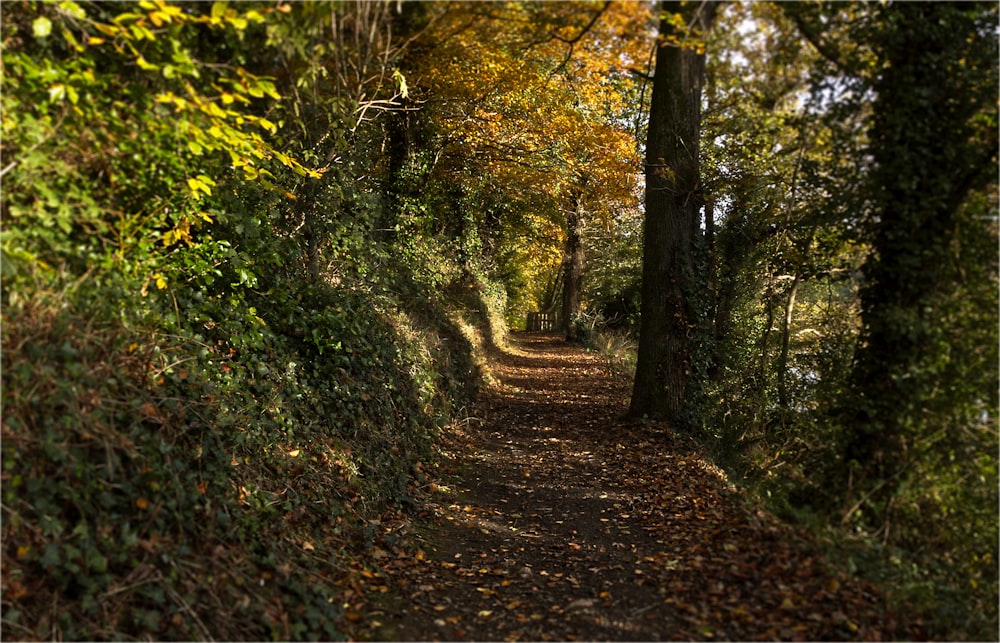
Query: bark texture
673, 203
573, 265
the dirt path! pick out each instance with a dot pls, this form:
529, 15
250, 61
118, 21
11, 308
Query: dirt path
563, 521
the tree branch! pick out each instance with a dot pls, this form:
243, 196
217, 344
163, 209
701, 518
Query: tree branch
572, 41
825, 49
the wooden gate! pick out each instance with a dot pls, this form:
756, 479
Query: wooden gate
541, 321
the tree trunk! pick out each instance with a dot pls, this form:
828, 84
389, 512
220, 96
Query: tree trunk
312, 229
786, 331
765, 338
669, 276
926, 159
573, 264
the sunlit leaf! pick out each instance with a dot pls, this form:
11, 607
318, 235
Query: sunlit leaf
401, 82
41, 27
144, 64
57, 92
73, 9
219, 9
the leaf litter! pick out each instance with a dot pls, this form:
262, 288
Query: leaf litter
553, 517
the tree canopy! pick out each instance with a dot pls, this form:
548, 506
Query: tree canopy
235, 231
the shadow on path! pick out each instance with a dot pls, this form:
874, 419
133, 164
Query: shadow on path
567, 522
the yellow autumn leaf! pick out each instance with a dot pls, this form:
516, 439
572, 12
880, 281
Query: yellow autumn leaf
200, 184
144, 64
268, 125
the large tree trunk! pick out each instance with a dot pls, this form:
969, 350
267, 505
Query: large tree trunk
670, 280
573, 264
927, 158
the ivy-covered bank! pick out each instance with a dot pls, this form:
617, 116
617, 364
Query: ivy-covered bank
215, 479
232, 324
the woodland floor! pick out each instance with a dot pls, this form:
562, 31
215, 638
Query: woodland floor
558, 519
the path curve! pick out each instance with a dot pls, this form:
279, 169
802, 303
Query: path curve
565, 521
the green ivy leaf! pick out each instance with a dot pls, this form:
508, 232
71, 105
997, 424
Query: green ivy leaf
51, 556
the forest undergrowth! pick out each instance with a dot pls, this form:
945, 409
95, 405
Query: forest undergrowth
221, 485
